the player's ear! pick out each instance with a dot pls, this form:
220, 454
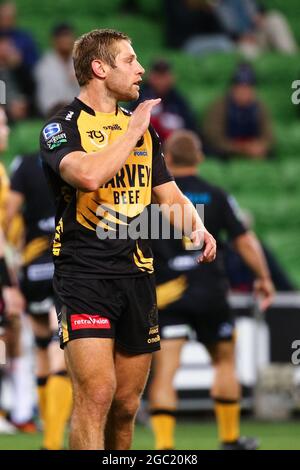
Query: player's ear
99, 68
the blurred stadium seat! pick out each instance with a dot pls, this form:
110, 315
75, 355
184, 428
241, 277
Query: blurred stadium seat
61, 10
150, 7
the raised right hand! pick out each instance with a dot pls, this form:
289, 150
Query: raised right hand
140, 118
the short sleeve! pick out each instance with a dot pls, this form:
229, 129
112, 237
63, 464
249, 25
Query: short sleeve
232, 219
160, 173
18, 175
57, 139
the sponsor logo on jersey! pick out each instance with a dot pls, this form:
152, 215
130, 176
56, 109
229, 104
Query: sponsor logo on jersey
98, 138
198, 198
83, 321
69, 116
113, 127
153, 330
225, 330
140, 153
183, 262
153, 340
57, 140
153, 316
47, 224
52, 129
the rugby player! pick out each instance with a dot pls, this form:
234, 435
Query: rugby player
30, 197
104, 165
11, 300
193, 297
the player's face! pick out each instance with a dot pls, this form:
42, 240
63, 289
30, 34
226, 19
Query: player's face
123, 81
161, 82
243, 94
64, 43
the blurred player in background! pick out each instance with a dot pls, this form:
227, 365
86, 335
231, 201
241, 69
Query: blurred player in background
11, 300
194, 297
30, 196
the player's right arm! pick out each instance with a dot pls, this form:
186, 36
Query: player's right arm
89, 171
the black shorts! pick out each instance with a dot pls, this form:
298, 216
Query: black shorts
208, 316
124, 309
37, 288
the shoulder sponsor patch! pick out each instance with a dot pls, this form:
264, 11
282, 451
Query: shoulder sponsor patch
51, 129
69, 116
57, 140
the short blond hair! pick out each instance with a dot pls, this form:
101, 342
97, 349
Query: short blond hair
97, 44
185, 148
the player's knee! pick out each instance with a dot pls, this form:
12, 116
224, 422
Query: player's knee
160, 389
225, 367
125, 408
94, 395
223, 355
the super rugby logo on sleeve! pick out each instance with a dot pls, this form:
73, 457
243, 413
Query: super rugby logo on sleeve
52, 129
54, 136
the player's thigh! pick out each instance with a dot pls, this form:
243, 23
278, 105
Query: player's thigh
90, 363
56, 357
12, 334
175, 329
40, 325
223, 352
53, 319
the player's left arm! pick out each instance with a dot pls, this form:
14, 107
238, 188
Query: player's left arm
185, 217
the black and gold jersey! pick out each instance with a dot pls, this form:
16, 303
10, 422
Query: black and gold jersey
88, 240
38, 211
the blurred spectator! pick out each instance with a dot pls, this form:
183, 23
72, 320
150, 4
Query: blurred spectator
55, 76
256, 28
22, 40
195, 26
15, 78
238, 123
173, 112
